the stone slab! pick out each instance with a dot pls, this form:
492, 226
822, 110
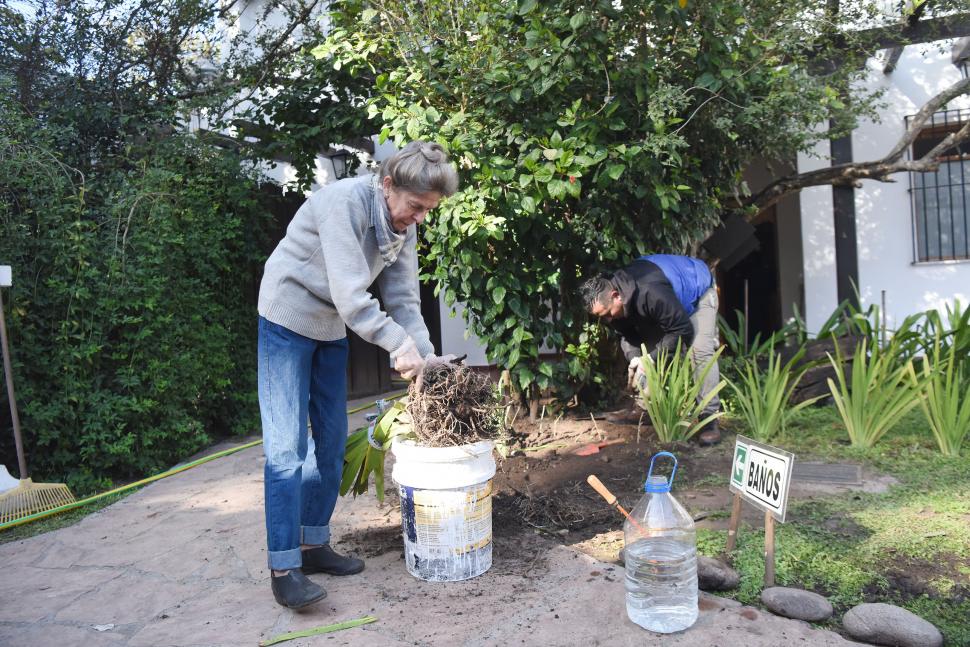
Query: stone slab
128, 599
31, 594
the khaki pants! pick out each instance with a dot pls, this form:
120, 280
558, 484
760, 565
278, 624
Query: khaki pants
706, 342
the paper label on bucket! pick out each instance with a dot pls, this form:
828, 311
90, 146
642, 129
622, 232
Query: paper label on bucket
447, 522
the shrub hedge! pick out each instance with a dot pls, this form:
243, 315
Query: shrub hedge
132, 314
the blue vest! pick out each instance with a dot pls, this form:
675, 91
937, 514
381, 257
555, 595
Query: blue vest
689, 277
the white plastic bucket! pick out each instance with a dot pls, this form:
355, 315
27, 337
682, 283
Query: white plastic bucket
446, 508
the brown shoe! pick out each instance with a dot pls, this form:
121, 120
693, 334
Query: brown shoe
628, 416
710, 434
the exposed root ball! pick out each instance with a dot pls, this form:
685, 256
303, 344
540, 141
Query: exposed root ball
453, 405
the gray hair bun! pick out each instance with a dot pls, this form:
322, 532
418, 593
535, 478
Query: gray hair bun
421, 167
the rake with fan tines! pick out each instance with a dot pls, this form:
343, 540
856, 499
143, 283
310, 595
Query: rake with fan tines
27, 497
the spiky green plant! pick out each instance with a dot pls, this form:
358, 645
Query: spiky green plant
953, 330
946, 396
361, 458
671, 394
880, 391
739, 347
762, 396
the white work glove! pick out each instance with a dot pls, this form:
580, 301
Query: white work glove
407, 360
635, 377
438, 360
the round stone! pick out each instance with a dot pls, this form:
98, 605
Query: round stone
796, 603
887, 624
715, 575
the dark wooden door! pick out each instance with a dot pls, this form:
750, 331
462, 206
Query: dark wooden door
368, 368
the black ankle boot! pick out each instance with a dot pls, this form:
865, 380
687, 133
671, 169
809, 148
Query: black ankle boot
323, 559
295, 590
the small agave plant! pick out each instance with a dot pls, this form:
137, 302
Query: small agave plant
671, 394
366, 448
762, 395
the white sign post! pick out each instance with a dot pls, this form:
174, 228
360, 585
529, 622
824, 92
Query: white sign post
6, 276
760, 474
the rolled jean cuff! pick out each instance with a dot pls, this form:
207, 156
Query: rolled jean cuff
283, 560
314, 535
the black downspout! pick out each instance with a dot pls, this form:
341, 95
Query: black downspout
843, 214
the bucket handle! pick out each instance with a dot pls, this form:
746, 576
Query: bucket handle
655, 457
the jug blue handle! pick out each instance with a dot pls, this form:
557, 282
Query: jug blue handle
655, 456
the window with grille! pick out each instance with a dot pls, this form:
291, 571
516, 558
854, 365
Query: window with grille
941, 198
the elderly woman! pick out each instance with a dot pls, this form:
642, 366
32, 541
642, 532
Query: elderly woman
315, 284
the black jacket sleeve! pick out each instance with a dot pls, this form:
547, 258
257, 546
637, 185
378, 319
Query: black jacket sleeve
660, 304
629, 350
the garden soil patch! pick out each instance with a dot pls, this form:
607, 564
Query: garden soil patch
909, 579
540, 489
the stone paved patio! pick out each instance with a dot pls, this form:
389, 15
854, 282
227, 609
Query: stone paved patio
182, 562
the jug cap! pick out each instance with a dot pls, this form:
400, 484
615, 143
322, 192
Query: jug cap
659, 484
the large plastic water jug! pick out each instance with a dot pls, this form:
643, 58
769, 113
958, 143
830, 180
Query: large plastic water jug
660, 552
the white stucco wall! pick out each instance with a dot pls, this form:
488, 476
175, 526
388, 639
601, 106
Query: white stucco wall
456, 339
790, 266
883, 213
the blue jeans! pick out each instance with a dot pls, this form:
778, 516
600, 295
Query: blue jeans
299, 378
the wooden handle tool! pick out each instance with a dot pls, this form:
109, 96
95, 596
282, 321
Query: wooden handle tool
597, 485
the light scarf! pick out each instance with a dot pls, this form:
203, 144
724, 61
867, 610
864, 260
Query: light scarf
389, 242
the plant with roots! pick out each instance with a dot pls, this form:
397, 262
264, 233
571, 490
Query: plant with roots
449, 405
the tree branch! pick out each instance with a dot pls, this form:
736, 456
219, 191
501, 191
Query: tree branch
880, 169
920, 31
928, 109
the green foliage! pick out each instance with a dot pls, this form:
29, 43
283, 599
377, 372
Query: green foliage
879, 391
744, 354
131, 318
582, 374
671, 394
869, 401
136, 247
910, 338
949, 336
945, 397
762, 396
293, 119
585, 135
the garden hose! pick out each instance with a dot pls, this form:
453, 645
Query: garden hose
171, 472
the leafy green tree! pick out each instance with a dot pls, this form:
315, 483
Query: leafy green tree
588, 133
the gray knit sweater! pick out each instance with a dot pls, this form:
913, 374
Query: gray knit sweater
315, 281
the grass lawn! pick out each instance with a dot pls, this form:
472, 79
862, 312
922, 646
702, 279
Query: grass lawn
909, 546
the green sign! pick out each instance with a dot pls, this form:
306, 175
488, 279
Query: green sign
740, 460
